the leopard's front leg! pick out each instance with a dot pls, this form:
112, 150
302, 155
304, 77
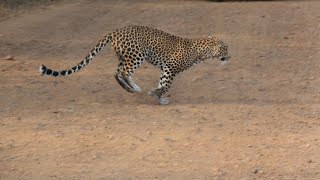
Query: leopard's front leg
165, 82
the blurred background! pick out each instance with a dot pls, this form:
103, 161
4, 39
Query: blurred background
258, 117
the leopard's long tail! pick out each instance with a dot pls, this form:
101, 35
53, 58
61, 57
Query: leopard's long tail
103, 42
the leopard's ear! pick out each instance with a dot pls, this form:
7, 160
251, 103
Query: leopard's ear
210, 37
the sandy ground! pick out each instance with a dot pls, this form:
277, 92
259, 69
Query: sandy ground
256, 118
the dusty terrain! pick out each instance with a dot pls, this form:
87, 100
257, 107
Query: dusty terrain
258, 117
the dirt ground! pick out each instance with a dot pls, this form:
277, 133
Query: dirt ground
258, 117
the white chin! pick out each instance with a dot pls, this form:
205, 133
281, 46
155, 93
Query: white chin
223, 63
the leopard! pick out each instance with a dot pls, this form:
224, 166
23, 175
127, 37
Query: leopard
134, 45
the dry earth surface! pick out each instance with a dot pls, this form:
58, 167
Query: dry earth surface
258, 117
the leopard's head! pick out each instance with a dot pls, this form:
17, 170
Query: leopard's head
220, 50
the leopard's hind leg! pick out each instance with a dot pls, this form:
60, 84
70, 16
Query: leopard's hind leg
125, 70
123, 83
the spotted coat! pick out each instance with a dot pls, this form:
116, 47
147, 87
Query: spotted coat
135, 44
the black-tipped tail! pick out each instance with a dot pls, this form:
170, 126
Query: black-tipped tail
45, 71
42, 69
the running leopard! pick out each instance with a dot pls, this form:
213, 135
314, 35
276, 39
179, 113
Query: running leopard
135, 44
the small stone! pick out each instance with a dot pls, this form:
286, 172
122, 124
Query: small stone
9, 57
140, 138
169, 139
256, 171
285, 37
310, 161
110, 137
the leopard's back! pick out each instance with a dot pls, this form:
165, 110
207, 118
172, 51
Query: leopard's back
155, 45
